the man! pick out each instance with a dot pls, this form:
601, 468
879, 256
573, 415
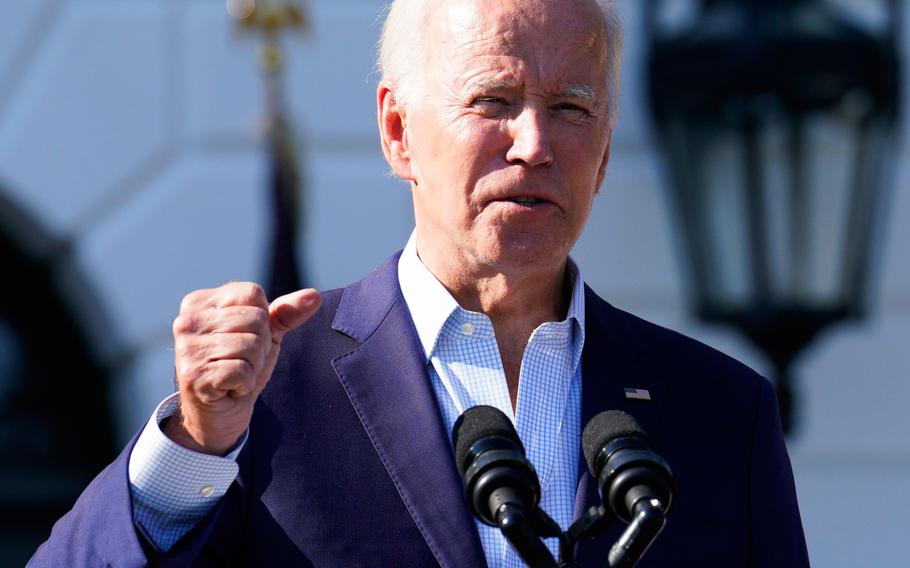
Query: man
499, 114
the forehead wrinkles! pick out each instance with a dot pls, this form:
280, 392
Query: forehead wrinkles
524, 29
463, 29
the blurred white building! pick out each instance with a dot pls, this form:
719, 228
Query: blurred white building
132, 159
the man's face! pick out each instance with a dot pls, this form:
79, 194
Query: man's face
508, 137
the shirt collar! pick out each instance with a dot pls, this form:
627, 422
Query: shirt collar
431, 305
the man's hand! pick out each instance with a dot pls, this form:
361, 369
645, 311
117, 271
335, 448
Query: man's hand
227, 341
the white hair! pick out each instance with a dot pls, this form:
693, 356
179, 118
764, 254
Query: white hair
400, 46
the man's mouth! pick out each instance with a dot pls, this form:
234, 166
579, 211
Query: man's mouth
525, 200
527, 203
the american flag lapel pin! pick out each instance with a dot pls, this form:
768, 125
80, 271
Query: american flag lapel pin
637, 394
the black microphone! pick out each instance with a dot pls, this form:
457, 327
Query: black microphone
635, 483
501, 485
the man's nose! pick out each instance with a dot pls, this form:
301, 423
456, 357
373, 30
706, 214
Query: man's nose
530, 138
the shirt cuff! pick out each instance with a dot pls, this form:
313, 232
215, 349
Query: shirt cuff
172, 487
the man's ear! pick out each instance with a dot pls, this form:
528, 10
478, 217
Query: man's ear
602, 170
393, 132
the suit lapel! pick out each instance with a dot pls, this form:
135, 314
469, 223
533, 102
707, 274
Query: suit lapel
388, 384
611, 361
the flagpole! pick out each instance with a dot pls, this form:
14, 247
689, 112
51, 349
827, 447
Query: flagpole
270, 19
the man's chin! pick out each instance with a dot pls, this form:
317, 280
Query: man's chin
529, 253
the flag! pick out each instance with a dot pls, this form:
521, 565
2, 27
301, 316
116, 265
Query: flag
637, 394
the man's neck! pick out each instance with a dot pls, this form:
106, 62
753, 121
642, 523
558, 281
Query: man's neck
516, 301
509, 295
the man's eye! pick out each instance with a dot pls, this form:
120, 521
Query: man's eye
492, 107
570, 107
490, 101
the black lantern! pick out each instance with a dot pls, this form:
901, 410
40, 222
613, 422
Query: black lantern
777, 121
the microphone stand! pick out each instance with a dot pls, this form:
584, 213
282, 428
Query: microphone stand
520, 531
525, 534
647, 522
591, 524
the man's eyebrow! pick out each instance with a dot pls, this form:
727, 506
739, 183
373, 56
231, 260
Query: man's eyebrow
496, 85
584, 92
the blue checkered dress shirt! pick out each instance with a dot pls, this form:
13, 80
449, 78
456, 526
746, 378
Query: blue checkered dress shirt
174, 488
464, 364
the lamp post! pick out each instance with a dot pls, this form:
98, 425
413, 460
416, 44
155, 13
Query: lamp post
776, 119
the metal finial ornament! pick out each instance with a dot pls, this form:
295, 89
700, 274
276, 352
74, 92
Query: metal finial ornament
269, 17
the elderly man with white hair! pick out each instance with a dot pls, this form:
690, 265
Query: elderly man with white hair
315, 430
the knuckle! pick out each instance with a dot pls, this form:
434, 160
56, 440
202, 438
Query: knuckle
183, 324
187, 374
256, 295
258, 292
243, 294
207, 393
235, 369
193, 300
218, 377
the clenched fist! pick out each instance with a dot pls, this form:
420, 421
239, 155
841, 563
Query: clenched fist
227, 341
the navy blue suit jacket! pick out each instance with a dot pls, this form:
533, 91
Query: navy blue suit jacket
348, 462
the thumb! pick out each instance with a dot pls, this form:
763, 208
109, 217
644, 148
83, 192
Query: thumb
290, 311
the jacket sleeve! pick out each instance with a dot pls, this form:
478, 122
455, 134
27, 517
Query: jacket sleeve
99, 530
777, 531
172, 487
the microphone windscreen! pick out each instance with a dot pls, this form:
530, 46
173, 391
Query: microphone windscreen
603, 428
476, 423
